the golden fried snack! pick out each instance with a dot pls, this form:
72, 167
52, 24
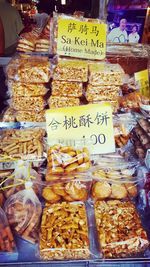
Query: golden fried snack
29, 69
76, 191
65, 160
132, 189
101, 190
62, 101
49, 195
69, 89
102, 93
59, 189
119, 228
118, 191
104, 73
36, 103
71, 71
22, 143
19, 89
64, 232
30, 116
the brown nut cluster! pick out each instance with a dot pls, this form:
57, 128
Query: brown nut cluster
27, 89
64, 232
65, 160
24, 144
119, 229
24, 217
63, 88
36, 103
68, 191
63, 101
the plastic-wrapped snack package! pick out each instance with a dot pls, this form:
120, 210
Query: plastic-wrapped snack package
22, 143
114, 104
23, 211
64, 232
30, 116
27, 40
71, 70
42, 44
7, 243
106, 189
102, 93
63, 101
103, 73
131, 101
17, 180
29, 69
17, 89
119, 228
63, 88
28, 103
123, 125
67, 159
69, 191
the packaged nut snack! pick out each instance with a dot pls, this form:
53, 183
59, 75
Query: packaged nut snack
119, 228
29, 69
114, 104
103, 73
28, 103
30, 116
18, 89
63, 88
74, 190
7, 243
102, 93
22, 143
62, 101
64, 232
23, 211
65, 160
71, 70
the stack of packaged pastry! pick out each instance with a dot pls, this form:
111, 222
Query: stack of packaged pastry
67, 85
104, 83
28, 79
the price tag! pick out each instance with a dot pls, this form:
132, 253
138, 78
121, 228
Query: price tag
81, 39
142, 79
90, 126
10, 165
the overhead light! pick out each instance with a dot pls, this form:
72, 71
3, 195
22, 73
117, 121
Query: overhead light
63, 2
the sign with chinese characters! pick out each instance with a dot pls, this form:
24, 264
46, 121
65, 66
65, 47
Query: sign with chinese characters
81, 39
89, 126
142, 79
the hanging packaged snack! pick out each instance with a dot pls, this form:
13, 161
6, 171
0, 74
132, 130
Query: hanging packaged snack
71, 70
29, 69
119, 228
62, 101
76, 189
22, 143
7, 243
64, 232
17, 180
23, 211
103, 73
66, 160
67, 89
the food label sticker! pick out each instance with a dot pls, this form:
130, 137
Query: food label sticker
142, 79
81, 39
89, 125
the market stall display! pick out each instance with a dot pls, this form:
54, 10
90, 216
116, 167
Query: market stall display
69, 193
